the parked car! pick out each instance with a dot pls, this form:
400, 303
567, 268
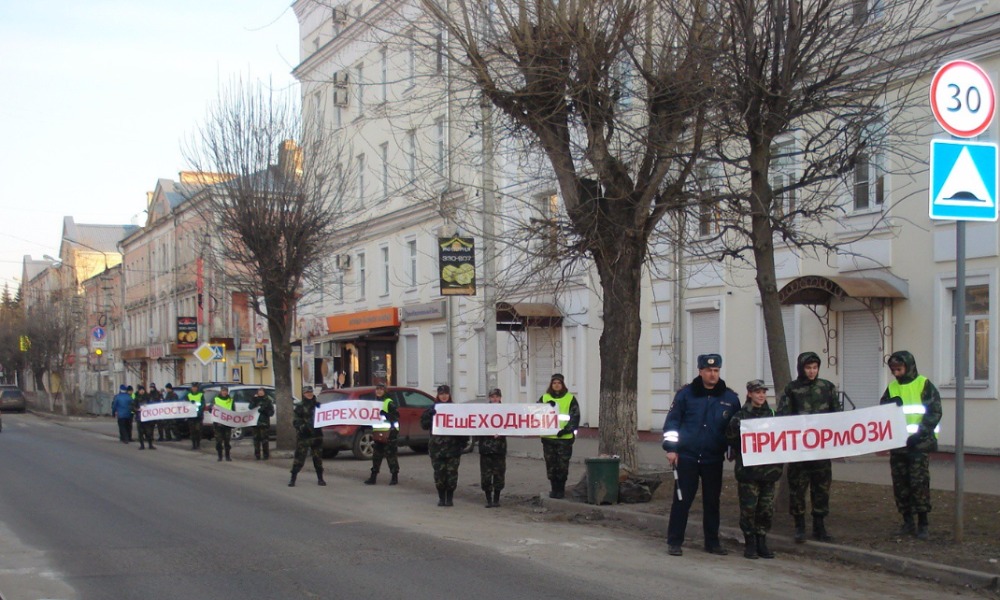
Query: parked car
12, 399
358, 439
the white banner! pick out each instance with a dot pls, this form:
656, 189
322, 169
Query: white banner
159, 411
495, 419
829, 435
234, 418
348, 412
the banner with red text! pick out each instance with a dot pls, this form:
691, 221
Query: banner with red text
829, 435
348, 412
234, 418
158, 411
495, 419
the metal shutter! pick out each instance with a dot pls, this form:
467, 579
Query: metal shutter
704, 337
788, 320
861, 358
412, 361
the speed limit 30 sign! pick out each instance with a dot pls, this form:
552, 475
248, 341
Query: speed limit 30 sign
963, 99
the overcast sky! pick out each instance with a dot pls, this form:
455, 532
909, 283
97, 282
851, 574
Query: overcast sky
96, 97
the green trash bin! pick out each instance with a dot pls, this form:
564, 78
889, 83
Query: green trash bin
602, 480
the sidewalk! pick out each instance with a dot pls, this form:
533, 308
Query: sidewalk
527, 486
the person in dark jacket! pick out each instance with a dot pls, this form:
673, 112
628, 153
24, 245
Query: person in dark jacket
264, 406
755, 484
445, 451
223, 433
162, 426
809, 395
389, 448
169, 395
558, 448
694, 436
121, 409
308, 438
910, 465
492, 460
145, 429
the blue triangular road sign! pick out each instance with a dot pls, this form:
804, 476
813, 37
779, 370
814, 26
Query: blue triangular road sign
963, 181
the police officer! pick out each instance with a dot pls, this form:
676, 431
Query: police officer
121, 409
389, 448
809, 395
445, 451
492, 460
196, 397
145, 428
261, 432
558, 448
755, 484
223, 433
910, 465
307, 437
694, 436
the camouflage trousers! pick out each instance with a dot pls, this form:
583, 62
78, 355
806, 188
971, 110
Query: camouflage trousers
387, 451
146, 432
446, 472
557, 454
304, 446
223, 438
816, 476
911, 481
261, 440
756, 506
194, 429
492, 469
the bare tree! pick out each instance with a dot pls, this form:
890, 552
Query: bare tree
11, 330
52, 327
558, 72
275, 210
822, 86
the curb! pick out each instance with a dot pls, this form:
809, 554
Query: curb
893, 564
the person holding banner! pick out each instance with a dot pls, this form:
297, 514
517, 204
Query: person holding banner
162, 427
755, 484
558, 448
196, 397
388, 446
910, 465
694, 436
809, 395
169, 395
223, 433
264, 406
145, 429
445, 451
492, 460
308, 438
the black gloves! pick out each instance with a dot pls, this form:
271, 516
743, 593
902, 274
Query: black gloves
912, 441
897, 400
565, 431
552, 403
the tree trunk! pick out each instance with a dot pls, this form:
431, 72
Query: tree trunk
281, 362
619, 348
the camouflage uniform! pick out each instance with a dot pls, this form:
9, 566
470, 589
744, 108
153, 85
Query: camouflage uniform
387, 450
755, 484
446, 454
910, 465
145, 429
262, 431
307, 439
223, 433
492, 465
558, 449
194, 423
803, 396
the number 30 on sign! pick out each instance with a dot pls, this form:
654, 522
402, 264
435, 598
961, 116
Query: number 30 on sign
963, 99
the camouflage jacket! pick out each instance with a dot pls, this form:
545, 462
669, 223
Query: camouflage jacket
264, 406
442, 446
759, 472
926, 440
493, 444
805, 397
304, 417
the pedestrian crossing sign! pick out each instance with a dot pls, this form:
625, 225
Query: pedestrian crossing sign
963, 179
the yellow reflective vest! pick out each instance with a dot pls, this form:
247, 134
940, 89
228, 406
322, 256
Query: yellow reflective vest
913, 405
226, 403
562, 407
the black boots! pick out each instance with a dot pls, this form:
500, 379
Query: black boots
762, 550
291, 482
908, 527
371, 480
800, 529
448, 497
923, 532
750, 546
489, 499
819, 530
395, 479
442, 498
220, 455
227, 457
319, 478
558, 489
496, 498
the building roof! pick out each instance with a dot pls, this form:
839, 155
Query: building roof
96, 238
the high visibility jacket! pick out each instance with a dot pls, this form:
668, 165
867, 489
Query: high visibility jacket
196, 397
913, 405
385, 424
226, 403
562, 406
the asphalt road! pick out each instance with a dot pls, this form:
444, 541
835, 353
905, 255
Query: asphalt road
84, 516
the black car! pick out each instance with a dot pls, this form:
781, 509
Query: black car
12, 399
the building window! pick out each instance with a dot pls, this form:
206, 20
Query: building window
384, 153
360, 162
384, 68
977, 331
440, 139
547, 225
411, 63
362, 275
359, 86
411, 348
783, 179
411, 155
868, 11
869, 183
709, 207
411, 246
440, 359
384, 250
439, 51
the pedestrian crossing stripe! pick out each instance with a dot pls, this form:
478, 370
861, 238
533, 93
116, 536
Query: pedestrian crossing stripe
963, 181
